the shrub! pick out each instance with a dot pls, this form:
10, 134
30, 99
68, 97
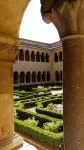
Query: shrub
50, 106
25, 114
54, 114
31, 121
55, 139
53, 126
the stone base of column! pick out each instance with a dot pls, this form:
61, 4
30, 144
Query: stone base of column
9, 144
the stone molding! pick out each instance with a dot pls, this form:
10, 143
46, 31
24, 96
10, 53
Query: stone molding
79, 36
8, 53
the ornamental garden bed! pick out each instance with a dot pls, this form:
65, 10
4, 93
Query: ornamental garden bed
45, 124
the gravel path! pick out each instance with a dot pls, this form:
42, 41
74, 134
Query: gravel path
60, 106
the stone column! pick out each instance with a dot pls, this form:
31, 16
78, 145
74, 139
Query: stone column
24, 54
35, 58
25, 78
73, 94
51, 65
8, 139
19, 78
68, 16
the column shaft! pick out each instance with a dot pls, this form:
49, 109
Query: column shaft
6, 100
73, 93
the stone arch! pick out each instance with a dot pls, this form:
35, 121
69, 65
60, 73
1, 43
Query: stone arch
33, 76
15, 77
48, 76
43, 57
38, 76
38, 56
22, 77
55, 57
21, 55
32, 56
43, 76
27, 55
57, 76
28, 77
47, 57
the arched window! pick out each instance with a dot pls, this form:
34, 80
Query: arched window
22, 77
32, 56
48, 76
28, 77
27, 56
47, 57
43, 76
15, 77
61, 75
21, 55
60, 56
55, 57
57, 76
39, 76
42, 57
38, 57
33, 76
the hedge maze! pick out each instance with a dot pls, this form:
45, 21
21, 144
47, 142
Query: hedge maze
36, 114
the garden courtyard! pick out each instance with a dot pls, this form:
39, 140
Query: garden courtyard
38, 116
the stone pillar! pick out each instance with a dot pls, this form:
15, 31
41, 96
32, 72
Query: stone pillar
8, 139
40, 58
45, 77
6, 99
24, 55
30, 78
35, 58
51, 64
73, 94
24, 78
68, 16
41, 77
18, 78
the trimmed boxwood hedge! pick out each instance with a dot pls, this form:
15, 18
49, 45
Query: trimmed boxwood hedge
54, 101
55, 139
25, 114
51, 113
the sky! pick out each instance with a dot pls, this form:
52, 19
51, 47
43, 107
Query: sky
34, 28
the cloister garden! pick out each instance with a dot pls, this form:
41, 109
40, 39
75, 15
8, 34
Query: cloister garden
39, 113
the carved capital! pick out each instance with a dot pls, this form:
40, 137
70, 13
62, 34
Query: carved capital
8, 52
66, 15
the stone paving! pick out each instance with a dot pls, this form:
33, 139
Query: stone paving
26, 146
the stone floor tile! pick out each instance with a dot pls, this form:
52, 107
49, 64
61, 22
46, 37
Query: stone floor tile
25, 144
30, 147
